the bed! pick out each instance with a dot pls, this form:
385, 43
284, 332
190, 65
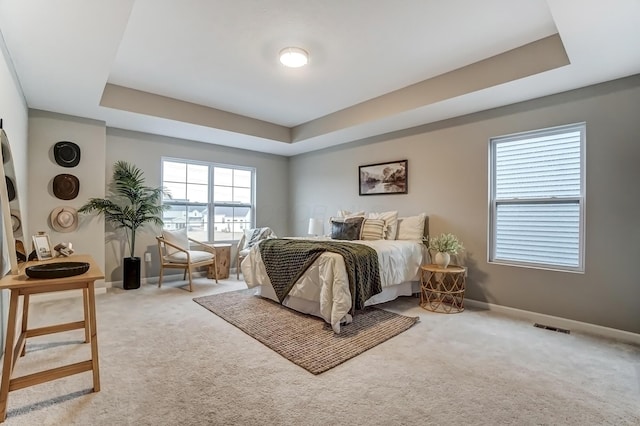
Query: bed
323, 290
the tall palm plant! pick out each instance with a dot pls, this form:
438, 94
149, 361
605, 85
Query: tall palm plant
131, 203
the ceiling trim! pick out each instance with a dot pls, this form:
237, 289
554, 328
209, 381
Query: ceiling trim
138, 101
536, 57
533, 58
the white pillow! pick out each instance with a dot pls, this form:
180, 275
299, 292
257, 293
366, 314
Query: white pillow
347, 213
178, 238
372, 229
390, 222
411, 228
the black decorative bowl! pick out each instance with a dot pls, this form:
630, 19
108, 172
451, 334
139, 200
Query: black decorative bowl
57, 270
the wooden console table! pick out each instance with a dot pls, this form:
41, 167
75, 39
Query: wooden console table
21, 285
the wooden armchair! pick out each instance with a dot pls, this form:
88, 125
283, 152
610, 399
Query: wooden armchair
174, 250
248, 240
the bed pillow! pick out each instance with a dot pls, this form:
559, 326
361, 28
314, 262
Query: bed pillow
346, 228
411, 228
178, 238
372, 229
347, 213
390, 222
253, 236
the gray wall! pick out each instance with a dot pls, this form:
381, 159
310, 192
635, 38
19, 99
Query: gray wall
448, 179
45, 129
145, 151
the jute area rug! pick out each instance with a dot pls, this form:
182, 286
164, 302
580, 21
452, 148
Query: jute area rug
303, 339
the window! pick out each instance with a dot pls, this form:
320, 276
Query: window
537, 198
213, 202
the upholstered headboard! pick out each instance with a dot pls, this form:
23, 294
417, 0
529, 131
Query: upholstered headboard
426, 227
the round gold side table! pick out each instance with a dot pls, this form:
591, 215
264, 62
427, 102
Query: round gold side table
442, 289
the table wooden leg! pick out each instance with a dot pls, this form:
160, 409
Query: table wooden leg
8, 354
94, 336
87, 324
25, 319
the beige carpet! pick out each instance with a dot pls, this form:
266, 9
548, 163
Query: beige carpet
305, 340
164, 360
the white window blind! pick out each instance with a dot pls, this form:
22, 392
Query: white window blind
537, 197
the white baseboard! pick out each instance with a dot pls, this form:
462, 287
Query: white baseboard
154, 280
559, 322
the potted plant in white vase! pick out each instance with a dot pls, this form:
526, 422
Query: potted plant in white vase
130, 205
444, 245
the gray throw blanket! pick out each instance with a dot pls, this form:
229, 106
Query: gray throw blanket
285, 261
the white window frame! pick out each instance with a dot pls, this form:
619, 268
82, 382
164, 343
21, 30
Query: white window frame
212, 204
579, 200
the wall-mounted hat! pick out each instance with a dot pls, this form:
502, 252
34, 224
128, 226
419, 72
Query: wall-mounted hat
66, 187
11, 189
16, 223
66, 153
5, 154
64, 219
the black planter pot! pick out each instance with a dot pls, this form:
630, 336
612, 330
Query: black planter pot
131, 276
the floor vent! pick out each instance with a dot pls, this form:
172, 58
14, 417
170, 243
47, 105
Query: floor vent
548, 327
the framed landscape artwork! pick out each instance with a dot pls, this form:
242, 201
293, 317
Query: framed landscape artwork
383, 178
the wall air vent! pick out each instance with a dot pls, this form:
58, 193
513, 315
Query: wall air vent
548, 327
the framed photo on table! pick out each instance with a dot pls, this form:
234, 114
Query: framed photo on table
383, 178
42, 246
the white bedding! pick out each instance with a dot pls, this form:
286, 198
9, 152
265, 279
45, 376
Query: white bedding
323, 290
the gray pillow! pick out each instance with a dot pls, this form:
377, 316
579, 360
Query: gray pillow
346, 229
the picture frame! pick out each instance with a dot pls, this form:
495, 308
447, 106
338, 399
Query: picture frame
383, 178
42, 246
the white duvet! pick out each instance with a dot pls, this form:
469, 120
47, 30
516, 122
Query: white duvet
323, 290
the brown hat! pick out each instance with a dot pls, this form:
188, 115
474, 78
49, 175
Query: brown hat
64, 219
66, 187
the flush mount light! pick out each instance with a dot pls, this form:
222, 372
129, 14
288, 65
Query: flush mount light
294, 57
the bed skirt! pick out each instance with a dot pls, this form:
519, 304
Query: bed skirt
305, 306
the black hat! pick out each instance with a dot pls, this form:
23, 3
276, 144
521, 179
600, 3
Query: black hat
5, 154
11, 189
66, 187
67, 154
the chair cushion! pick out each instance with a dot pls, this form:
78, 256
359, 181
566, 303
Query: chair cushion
196, 256
178, 238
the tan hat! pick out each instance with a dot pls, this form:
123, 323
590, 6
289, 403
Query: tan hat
16, 223
64, 219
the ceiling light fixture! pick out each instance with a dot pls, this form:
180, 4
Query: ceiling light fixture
294, 57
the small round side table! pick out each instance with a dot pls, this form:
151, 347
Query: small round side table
442, 289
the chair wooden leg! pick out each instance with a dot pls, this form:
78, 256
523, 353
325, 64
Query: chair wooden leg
215, 269
238, 269
190, 281
161, 275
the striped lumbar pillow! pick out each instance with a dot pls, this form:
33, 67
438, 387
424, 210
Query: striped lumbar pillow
372, 229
